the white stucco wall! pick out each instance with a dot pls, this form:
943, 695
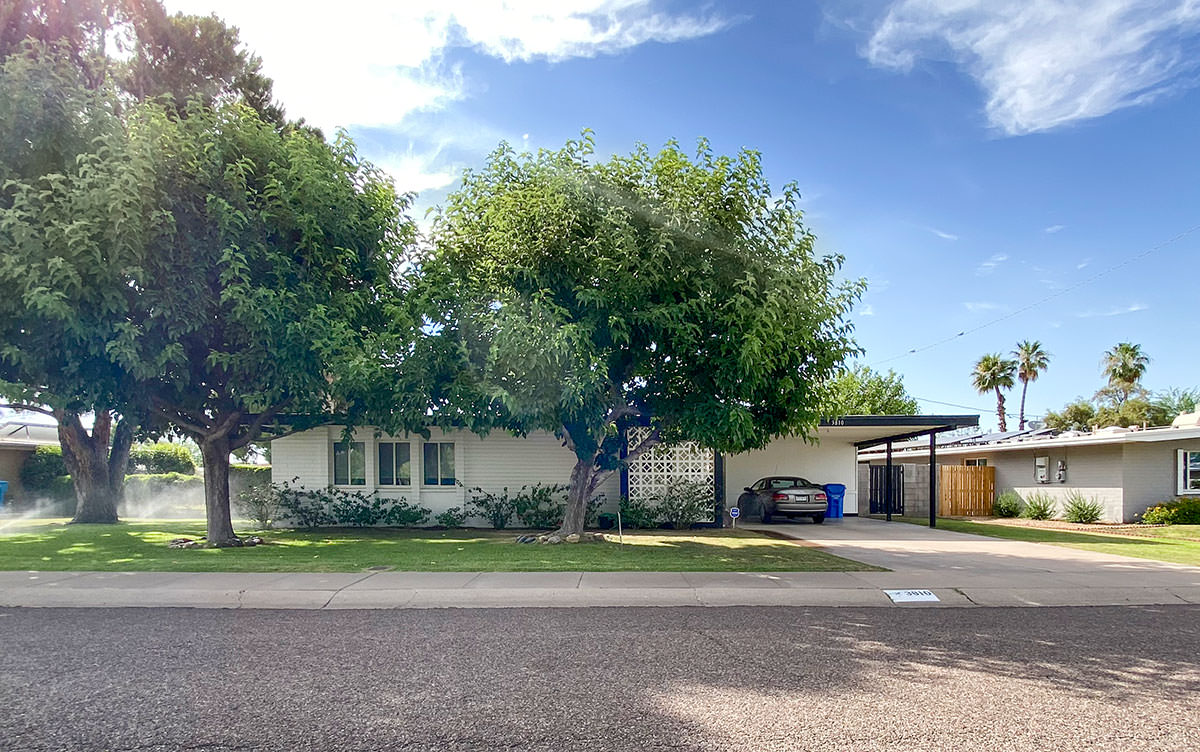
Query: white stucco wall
830, 461
492, 463
1151, 473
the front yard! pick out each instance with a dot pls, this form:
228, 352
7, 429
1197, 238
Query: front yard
1179, 544
140, 546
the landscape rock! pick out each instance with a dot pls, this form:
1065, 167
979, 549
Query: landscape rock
572, 538
554, 540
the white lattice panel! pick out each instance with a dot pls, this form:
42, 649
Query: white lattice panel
664, 466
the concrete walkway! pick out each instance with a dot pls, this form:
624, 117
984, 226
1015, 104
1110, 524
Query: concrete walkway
962, 570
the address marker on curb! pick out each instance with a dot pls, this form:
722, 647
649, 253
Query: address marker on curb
912, 596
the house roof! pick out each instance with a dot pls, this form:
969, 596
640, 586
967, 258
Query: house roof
869, 430
1039, 440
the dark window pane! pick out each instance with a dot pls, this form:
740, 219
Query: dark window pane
447, 469
387, 464
341, 466
403, 464
358, 464
429, 464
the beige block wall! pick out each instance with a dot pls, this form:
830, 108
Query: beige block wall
826, 462
490, 462
1095, 472
1151, 473
10, 470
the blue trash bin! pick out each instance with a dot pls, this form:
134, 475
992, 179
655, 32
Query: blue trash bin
835, 492
3, 490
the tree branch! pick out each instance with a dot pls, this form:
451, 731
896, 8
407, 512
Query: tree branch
30, 409
256, 426
174, 415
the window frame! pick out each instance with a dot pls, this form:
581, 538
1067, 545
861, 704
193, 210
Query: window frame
350, 449
396, 481
975, 462
1182, 460
443, 480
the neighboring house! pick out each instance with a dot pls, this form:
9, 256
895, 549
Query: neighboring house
18, 440
438, 472
1125, 469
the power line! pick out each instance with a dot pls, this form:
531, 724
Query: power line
973, 407
1048, 298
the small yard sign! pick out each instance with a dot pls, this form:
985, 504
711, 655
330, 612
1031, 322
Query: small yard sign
734, 513
911, 596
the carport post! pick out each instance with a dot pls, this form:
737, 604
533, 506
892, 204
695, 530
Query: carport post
887, 483
933, 480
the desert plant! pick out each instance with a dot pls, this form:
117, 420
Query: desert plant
540, 506
1039, 506
496, 508
638, 514
1082, 509
1183, 511
1008, 504
261, 504
452, 517
685, 503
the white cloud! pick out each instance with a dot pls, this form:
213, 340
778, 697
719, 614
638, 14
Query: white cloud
980, 306
373, 62
415, 171
943, 235
1119, 311
989, 266
1054, 228
1083, 264
866, 310
1047, 64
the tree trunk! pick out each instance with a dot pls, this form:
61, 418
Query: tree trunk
215, 451
1000, 410
580, 491
97, 469
1024, 388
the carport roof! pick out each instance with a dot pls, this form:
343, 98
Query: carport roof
869, 430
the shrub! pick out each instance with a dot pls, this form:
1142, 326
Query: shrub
452, 517
261, 504
306, 508
1082, 509
540, 506
638, 514
1039, 506
243, 477
606, 521
337, 506
41, 468
162, 495
1008, 504
685, 503
495, 508
1182, 511
163, 457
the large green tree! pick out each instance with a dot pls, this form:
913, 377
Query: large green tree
862, 391
1079, 415
69, 71
1032, 360
659, 288
995, 373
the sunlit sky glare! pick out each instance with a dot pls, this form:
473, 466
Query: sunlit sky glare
1027, 164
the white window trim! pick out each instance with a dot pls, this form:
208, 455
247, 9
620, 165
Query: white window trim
1181, 460
333, 465
395, 483
974, 461
439, 486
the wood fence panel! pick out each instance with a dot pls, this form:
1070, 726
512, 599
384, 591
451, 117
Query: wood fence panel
966, 491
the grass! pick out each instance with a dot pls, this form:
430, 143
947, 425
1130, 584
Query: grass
1158, 543
140, 546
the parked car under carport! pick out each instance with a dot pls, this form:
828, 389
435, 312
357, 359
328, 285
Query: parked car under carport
788, 496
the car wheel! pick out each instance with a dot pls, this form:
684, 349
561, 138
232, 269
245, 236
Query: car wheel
766, 516
818, 519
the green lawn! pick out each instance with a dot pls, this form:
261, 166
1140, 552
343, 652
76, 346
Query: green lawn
1159, 543
141, 546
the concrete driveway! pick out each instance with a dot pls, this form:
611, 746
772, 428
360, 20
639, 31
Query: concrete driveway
1014, 571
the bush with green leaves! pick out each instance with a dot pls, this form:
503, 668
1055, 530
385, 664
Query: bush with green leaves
638, 514
1008, 504
540, 506
452, 517
684, 503
496, 508
41, 468
161, 458
1181, 511
304, 507
1082, 509
1039, 506
337, 506
261, 504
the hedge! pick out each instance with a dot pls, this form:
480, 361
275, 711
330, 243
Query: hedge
42, 468
161, 458
243, 477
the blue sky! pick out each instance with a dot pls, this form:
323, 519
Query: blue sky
1010, 170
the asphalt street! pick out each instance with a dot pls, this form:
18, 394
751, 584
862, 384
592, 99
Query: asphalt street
1100, 678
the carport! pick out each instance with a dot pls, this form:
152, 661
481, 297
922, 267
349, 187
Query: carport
831, 456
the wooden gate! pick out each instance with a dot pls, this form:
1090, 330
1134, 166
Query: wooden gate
966, 491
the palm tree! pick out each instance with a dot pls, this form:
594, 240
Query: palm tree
1124, 365
1031, 361
993, 372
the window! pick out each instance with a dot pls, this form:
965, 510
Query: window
975, 462
1189, 472
349, 464
395, 463
438, 464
